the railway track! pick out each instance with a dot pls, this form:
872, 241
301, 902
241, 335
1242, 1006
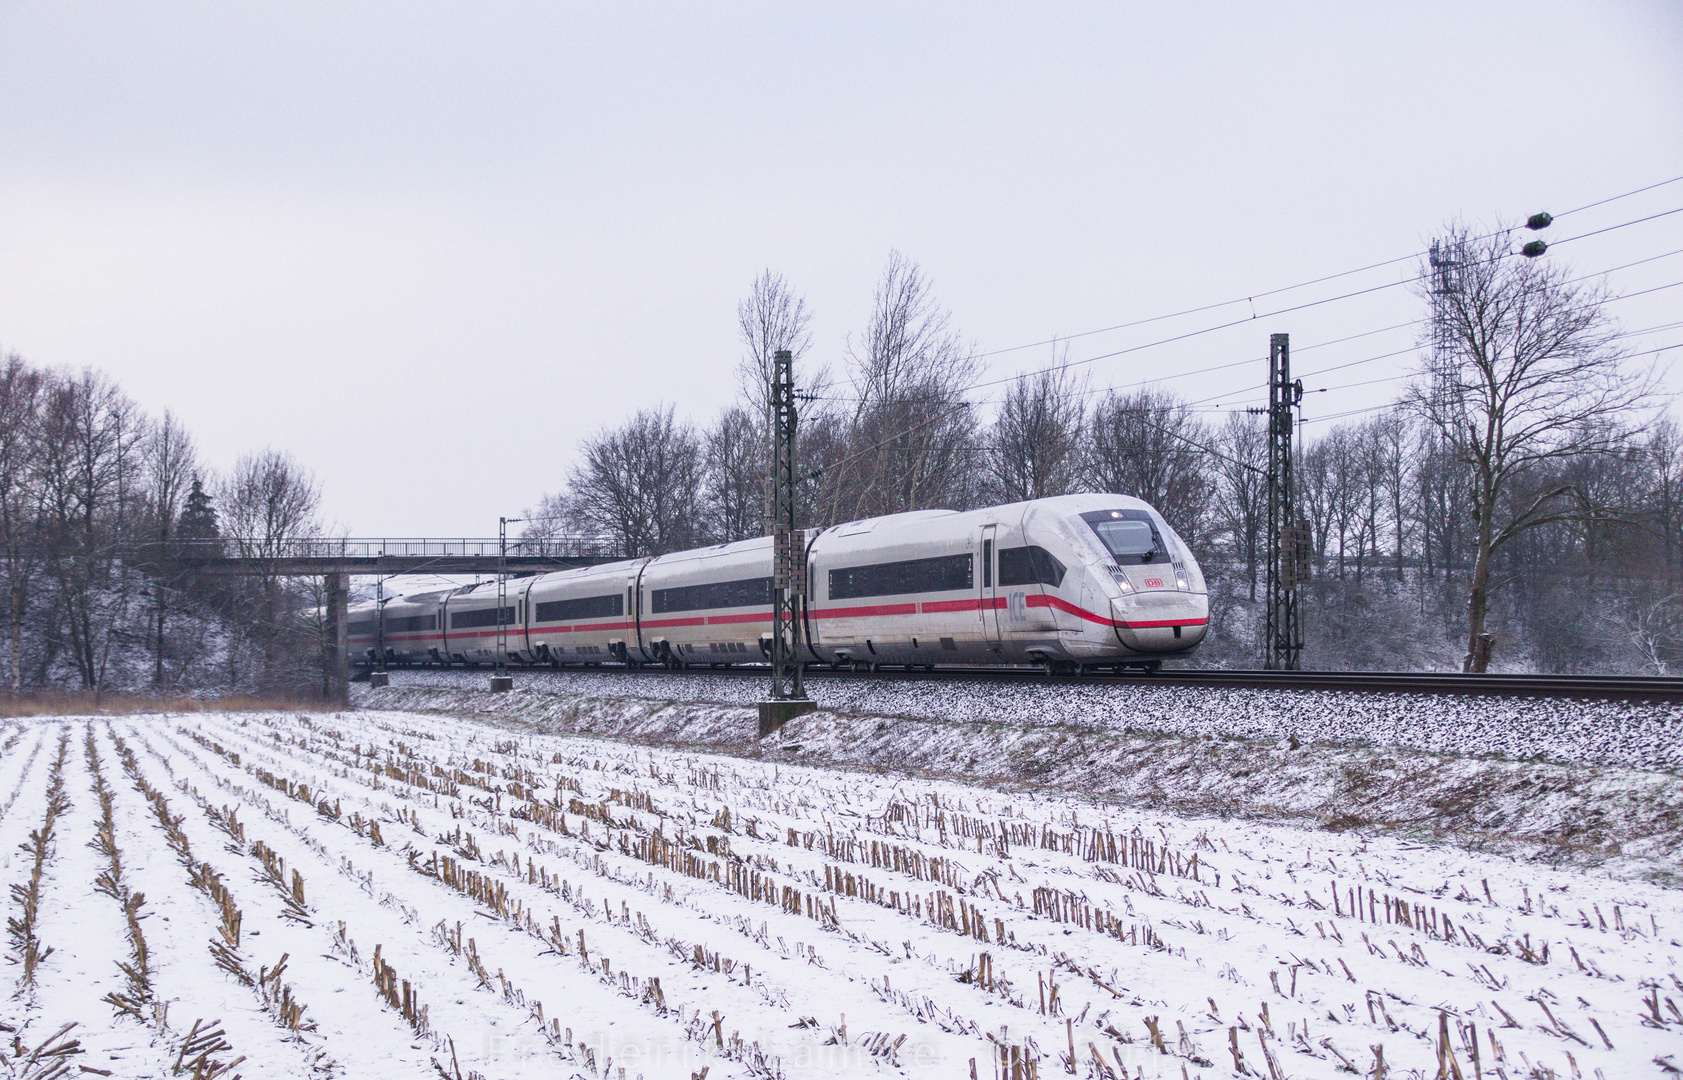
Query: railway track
1599, 687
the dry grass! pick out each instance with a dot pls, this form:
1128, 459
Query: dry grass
85, 703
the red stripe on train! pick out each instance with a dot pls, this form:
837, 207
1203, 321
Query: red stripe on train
1058, 602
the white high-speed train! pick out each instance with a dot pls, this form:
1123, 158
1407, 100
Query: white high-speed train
1078, 581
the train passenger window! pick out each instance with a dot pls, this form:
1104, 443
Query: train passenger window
467, 620
1029, 566
583, 607
987, 564
407, 624
946, 573
1129, 535
748, 592
360, 628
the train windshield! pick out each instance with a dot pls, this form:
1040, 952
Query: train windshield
1129, 535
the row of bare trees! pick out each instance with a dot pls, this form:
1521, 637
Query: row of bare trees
1521, 473
97, 500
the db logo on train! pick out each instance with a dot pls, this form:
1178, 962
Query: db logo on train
1154, 583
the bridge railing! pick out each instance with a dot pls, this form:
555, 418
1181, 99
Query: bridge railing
317, 547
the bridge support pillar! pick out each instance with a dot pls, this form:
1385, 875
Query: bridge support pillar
336, 659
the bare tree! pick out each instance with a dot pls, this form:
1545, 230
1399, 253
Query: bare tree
1653, 627
20, 518
1664, 450
1533, 377
1149, 444
640, 484
1241, 491
84, 463
1316, 498
1035, 445
554, 523
911, 441
734, 476
1390, 448
170, 462
770, 318
1346, 491
268, 501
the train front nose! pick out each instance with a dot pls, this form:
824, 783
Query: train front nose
1156, 613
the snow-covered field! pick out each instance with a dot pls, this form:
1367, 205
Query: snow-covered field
1636, 734
386, 894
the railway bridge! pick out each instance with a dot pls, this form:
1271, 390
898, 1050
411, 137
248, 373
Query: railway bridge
336, 560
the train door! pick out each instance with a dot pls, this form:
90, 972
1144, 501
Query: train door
524, 625
988, 583
634, 602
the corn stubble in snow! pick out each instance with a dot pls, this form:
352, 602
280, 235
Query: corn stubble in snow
401, 895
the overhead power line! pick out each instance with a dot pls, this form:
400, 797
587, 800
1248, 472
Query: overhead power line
1314, 281
1254, 317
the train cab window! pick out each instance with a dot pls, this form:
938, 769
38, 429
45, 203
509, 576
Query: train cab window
1029, 566
1129, 535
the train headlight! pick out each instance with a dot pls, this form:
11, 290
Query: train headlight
1120, 576
1180, 577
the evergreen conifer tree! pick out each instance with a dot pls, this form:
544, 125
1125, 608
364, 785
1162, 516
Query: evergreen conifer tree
198, 519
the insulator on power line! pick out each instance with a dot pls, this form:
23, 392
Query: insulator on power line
1533, 249
1539, 221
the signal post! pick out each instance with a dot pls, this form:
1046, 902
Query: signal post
788, 582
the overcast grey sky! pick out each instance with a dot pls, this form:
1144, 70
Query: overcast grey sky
426, 247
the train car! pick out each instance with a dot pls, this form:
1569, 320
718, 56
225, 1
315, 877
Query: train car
1070, 582
583, 616
469, 620
406, 632
412, 629
709, 606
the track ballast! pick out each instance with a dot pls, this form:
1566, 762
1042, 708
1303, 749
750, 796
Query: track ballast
1601, 687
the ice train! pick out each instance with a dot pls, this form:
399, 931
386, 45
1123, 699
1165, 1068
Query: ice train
1073, 582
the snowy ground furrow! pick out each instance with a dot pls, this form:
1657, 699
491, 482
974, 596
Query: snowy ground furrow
965, 919
537, 977
816, 991
454, 1010
618, 927
1271, 909
18, 752
187, 979
363, 1039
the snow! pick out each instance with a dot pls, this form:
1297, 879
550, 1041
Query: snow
1592, 732
868, 945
